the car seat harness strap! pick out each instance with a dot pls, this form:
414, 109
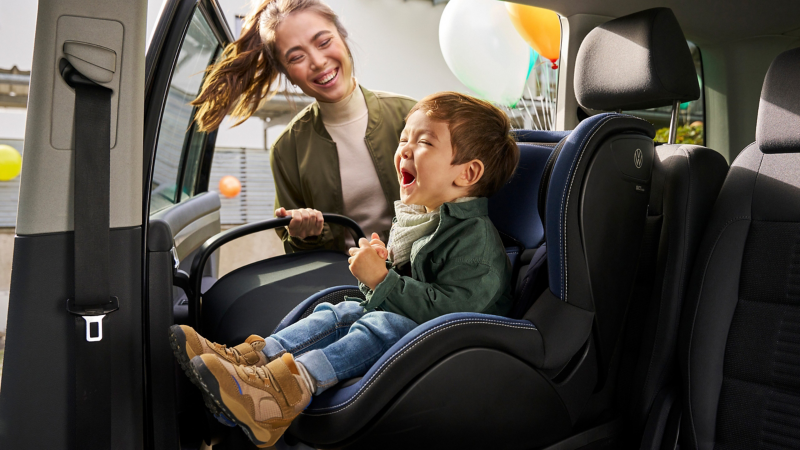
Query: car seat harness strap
92, 302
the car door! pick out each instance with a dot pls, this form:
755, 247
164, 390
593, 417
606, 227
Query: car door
155, 153
181, 212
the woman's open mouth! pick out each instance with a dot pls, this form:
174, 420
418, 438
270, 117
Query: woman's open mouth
327, 78
408, 178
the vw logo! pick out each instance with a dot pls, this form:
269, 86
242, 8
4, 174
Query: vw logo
637, 158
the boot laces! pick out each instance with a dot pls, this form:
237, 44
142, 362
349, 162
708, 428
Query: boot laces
260, 373
232, 352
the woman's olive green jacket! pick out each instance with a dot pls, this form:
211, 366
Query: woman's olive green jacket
305, 164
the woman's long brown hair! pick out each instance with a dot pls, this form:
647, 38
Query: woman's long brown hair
245, 75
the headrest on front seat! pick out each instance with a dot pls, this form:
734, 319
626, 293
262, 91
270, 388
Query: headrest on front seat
778, 126
634, 62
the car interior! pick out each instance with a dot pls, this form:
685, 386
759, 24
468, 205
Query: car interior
656, 284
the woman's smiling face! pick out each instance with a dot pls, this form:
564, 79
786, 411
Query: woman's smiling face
315, 57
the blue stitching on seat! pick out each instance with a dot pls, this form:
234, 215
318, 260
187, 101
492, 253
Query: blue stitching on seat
562, 244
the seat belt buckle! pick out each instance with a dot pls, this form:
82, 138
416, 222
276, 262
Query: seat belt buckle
93, 314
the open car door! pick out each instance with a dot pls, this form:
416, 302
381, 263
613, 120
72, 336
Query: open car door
80, 374
180, 211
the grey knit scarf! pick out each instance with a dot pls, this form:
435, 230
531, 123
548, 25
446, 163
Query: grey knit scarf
410, 224
412, 229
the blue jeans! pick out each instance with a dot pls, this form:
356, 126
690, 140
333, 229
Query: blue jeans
337, 342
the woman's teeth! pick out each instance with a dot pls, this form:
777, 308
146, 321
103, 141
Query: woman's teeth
327, 78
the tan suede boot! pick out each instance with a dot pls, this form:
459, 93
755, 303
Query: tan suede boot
263, 400
187, 343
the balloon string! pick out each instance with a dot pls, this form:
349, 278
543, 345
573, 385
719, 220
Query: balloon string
539, 89
547, 119
546, 98
537, 124
543, 119
550, 101
533, 103
525, 105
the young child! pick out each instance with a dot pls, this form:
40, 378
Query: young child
445, 254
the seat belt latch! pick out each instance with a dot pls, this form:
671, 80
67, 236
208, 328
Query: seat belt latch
93, 314
89, 321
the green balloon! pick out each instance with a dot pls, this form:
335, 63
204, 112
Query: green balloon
534, 60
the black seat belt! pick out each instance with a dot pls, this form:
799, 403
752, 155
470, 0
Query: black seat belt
92, 300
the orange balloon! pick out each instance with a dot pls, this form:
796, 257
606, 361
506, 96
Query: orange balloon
540, 27
229, 186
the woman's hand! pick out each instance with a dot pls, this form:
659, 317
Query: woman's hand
366, 264
306, 222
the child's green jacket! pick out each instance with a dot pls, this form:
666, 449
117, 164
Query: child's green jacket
462, 268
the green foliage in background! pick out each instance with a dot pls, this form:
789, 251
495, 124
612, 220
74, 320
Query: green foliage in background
687, 134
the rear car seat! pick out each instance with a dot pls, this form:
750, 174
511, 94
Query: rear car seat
686, 182
740, 329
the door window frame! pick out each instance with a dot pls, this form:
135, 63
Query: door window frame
161, 60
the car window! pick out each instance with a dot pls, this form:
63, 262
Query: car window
691, 116
536, 110
180, 146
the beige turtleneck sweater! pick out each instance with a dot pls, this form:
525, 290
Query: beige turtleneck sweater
364, 202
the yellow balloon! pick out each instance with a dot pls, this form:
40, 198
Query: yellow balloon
540, 27
10, 163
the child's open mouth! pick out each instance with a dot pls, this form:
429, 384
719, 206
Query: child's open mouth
408, 178
327, 78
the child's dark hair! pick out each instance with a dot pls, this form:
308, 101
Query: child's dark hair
478, 130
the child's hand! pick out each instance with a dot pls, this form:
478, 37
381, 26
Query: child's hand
306, 222
366, 264
379, 246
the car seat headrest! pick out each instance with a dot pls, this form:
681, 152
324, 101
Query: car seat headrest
634, 62
778, 126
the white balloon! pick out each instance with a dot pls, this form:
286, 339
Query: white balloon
483, 49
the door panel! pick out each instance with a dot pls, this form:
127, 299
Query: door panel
180, 212
192, 222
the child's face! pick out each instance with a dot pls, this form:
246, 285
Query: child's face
315, 56
423, 163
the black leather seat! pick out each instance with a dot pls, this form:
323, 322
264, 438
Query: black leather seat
740, 330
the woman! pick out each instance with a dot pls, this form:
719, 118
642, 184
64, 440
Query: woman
336, 155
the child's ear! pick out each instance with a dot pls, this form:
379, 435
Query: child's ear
470, 174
